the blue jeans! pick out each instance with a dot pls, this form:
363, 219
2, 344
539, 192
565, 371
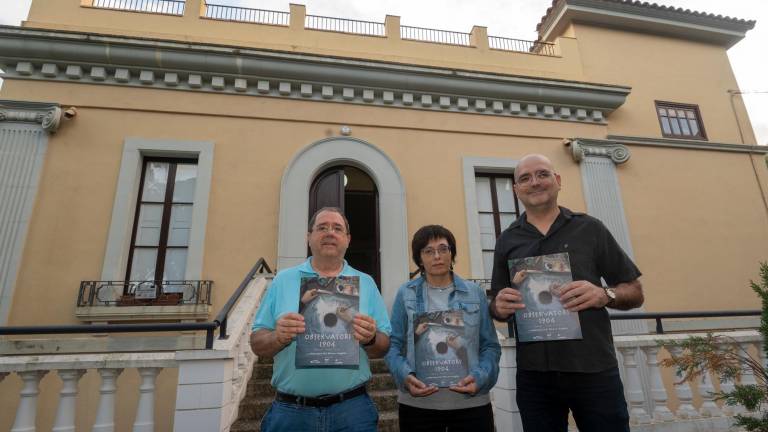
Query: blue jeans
353, 415
596, 400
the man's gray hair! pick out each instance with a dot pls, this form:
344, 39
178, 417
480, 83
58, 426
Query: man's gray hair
328, 209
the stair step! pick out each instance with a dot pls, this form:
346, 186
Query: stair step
252, 408
381, 382
259, 388
378, 366
388, 422
245, 426
262, 371
385, 400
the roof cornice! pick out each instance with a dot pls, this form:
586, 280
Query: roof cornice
27, 53
644, 17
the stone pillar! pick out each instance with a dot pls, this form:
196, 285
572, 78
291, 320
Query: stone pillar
24, 131
478, 38
392, 26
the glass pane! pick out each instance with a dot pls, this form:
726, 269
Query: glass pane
691, 115
175, 264
665, 126
662, 112
184, 187
181, 221
675, 126
506, 220
694, 127
487, 231
488, 263
681, 113
505, 195
155, 179
684, 127
150, 220
143, 265
483, 193
672, 113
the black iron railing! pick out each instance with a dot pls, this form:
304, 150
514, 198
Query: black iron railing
434, 36
130, 293
219, 322
343, 25
519, 45
166, 7
248, 15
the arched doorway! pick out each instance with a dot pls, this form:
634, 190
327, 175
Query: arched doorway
352, 190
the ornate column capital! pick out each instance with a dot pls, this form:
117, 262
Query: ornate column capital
581, 148
48, 115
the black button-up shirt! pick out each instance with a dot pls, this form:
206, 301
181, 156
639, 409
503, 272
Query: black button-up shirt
594, 254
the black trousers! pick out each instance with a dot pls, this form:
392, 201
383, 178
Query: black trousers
595, 399
479, 419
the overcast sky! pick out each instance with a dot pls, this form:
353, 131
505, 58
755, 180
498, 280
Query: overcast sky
518, 19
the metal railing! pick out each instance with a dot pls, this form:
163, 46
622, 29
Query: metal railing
166, 7
219, 322
434, 36
248, 15
342, 25
144, 293
519, 45
658, 316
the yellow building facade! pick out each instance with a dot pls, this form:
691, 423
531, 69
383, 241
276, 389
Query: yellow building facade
273, 114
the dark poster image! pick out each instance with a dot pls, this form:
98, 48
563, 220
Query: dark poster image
440, 348
539, 279
328, 305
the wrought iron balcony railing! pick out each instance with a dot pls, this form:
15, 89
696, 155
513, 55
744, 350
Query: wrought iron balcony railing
144, 293
164, 7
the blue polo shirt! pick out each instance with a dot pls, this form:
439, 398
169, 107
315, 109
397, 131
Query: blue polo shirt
283, 297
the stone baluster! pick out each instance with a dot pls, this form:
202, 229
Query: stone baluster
145, 413
25, 413
684, 393
637, 413
105, 414
708, 406
747, 374
661, 412
65, 413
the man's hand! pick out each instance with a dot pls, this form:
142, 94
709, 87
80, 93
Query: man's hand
466, 385
507, 301
579, 295
364, 327
288, 326
417, 388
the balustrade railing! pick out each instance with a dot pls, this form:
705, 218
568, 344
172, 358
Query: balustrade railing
248, 15
144, 293
519, 45
342, 25
446, 37
165, 7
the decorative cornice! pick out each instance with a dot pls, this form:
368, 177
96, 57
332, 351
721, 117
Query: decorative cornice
48, 115
582, 148
112, 60
687, 144
645, 17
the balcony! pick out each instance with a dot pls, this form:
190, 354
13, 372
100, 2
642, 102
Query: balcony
105, 301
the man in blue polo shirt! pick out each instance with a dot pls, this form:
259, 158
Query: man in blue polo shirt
319, 398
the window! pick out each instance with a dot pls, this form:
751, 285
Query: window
497, 208
680, 121
161, 231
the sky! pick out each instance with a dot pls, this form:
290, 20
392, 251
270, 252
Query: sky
517, 19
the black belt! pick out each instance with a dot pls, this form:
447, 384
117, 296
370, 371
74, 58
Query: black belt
320, 401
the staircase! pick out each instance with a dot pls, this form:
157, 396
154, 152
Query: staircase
260, 394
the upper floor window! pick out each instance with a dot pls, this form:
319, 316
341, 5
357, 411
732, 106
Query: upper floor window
680, 121
497, 208
163, 220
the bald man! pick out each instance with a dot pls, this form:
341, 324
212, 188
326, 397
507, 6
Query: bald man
582, 375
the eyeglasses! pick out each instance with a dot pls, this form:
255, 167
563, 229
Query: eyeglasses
326, 229
441, 250
542, 176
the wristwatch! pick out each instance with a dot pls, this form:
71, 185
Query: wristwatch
611, 293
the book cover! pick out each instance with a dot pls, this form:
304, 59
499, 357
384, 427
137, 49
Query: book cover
440, 350
539, 280
328, 305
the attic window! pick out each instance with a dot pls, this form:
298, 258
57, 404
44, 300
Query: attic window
680, 120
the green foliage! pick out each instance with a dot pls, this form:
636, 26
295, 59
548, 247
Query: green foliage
720, 355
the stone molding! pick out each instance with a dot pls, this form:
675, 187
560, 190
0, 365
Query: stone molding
122, 61
581, 148
48, 115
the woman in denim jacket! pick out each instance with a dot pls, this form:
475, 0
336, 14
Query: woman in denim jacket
465, 405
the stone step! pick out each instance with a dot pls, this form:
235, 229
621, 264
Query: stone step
260, 388
378, 366
262, 371
388, 422
381, 382
245, 425
385, 400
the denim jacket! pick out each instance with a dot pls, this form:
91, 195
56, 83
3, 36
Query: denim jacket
468, 297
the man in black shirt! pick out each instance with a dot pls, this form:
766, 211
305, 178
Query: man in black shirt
580, 375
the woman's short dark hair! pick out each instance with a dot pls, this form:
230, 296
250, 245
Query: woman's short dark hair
427, 233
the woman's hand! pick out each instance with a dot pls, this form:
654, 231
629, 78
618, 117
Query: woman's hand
417, 388
467, 385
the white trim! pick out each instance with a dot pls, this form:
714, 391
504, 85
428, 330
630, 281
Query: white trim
119, 238
470, 167
294, 205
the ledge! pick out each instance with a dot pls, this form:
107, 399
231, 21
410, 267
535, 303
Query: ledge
680, 143
123, 61
197, 312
